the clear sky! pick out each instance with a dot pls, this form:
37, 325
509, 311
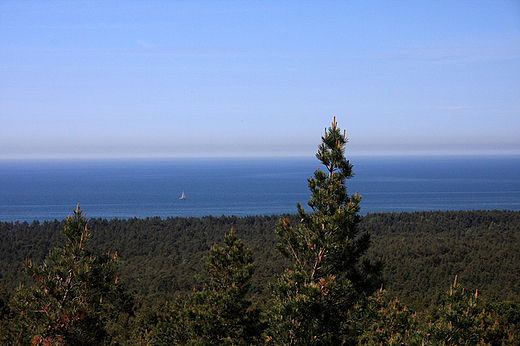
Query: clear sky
86, 79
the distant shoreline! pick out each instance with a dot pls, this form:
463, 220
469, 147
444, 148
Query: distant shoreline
242, 217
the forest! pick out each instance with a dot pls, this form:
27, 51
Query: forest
326, 277
162, 258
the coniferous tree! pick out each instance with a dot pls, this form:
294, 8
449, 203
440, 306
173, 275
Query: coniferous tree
463, 321
72, 296
220, 314
311, 302
389, 323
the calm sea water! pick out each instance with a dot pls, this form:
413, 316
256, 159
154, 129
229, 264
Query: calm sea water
48, 190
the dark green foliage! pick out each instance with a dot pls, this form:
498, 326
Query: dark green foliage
310, 313
230, 267
421, 250
220, 314
7, 325
158, 257
161, 258
459, 319
509, 314
19, 241
463, 321
386, 322
5, 296
424, 251
312, 301
73, 296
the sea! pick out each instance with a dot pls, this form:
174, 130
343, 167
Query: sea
51, 189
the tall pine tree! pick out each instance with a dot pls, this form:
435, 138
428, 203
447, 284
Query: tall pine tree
73, 295
311, 302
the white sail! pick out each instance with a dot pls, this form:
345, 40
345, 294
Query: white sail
183, 196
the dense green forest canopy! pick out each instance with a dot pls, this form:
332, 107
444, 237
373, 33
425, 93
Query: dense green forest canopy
422, 251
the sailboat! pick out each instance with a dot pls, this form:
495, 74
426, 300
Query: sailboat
183, 196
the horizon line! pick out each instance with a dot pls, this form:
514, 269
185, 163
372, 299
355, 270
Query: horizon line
248, 157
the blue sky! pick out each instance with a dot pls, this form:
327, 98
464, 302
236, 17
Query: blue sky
122, 79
